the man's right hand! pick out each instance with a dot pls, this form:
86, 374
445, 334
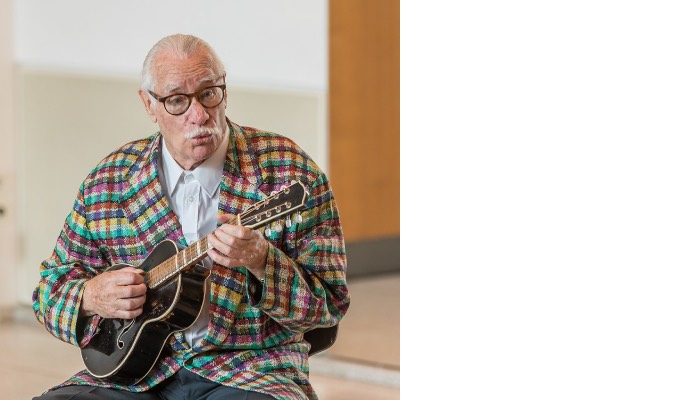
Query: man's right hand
115, 294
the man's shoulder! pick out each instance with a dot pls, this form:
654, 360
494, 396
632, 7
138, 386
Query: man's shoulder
278, 155
125, 157
265, 142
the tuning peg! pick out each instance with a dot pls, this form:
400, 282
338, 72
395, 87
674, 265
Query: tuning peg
298, 218
288, 222
268, 232
278, 227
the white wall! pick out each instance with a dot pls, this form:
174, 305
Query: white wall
271, 43
8, 239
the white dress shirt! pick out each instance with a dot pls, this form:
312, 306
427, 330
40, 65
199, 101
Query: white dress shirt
194, 196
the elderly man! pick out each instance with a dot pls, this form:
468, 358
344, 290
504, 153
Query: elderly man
229, 313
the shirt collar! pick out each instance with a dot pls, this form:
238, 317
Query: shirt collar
208, 173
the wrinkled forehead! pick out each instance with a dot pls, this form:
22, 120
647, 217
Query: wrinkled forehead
173, 74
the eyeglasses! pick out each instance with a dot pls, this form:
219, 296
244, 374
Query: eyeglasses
179, 103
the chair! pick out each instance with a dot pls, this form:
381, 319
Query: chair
321, 338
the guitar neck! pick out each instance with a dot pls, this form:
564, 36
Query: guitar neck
184, 259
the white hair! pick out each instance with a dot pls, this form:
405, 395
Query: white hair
181, 46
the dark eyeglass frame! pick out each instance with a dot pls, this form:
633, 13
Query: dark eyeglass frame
190, 96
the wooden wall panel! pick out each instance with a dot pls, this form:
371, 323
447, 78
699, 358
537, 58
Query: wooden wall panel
364, 115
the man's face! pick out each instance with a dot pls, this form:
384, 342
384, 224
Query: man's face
193, 136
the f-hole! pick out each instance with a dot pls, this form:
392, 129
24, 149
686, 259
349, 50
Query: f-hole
125, 329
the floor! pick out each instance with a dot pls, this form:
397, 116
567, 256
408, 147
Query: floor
362, 364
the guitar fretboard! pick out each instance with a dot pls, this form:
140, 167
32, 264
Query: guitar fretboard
173, 265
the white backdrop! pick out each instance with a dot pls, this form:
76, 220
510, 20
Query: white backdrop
272, 43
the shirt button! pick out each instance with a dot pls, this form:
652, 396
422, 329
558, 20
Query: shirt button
190, 199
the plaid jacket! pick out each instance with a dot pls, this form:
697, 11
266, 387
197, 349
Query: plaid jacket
254, 340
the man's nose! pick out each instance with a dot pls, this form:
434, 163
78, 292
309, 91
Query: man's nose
197, 114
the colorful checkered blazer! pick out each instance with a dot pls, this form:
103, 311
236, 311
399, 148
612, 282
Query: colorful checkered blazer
254, 340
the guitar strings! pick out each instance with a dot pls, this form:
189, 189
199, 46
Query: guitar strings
170, 267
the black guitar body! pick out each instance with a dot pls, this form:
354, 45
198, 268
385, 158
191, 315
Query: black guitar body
125, 350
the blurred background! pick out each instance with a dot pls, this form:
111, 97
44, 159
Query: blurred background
323, 72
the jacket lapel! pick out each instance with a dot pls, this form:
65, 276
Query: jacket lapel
144, 201
242, 176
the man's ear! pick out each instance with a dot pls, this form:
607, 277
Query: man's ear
146, 99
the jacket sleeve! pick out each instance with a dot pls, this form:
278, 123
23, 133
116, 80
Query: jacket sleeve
75, 259
304, 286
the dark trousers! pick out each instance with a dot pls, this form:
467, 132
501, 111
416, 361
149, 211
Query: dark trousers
184, 385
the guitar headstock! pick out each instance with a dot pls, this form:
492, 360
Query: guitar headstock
278, 204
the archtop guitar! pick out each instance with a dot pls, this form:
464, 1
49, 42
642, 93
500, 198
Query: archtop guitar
125, 350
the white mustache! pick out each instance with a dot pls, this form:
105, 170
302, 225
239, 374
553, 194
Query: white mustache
202, 131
